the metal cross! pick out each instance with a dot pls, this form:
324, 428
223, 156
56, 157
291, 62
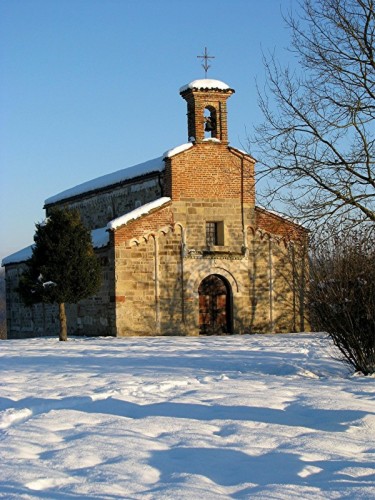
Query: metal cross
205, 64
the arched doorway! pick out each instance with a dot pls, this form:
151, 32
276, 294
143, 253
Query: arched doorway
215, 306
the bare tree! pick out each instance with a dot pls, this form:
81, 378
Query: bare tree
317, 139
342, 295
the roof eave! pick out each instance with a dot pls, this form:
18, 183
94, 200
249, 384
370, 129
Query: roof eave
115, 185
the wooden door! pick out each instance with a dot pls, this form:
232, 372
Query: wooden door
214, 306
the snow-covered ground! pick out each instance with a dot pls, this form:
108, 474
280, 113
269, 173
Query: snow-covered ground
258, 417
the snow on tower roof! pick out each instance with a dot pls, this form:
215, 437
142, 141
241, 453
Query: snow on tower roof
205, 83
154, 165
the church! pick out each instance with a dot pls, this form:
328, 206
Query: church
183, 247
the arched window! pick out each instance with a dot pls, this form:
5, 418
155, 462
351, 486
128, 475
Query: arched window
210, 122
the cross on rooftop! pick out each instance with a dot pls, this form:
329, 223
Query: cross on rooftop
205, 64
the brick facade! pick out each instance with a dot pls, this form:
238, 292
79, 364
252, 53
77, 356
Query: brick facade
154, 264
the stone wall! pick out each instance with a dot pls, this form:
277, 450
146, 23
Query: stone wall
278, 271
146, 251
162, 258
265, 296
98, 208
149, 294
93, 316
38, 320
194, 213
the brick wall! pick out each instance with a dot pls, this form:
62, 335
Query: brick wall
139, 227
197, 101
210, 170
275, 224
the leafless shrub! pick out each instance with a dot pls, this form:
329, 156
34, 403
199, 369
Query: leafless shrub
342, 295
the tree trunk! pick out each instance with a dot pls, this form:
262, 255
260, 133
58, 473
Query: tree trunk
63, 327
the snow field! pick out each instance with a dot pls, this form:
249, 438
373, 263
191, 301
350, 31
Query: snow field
263, 416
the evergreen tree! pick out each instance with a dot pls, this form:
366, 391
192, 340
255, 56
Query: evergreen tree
63, 267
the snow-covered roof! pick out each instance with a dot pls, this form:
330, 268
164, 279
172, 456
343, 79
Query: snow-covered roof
280, 215
177, 149
138, 212
99, 238
19, 256
154, 165
205, 83
242, 151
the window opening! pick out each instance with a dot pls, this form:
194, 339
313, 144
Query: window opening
209, 122
211, 233
214, 233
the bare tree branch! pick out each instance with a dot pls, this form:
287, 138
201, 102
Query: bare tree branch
317, 142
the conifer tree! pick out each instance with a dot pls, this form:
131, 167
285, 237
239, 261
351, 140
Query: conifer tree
63, 267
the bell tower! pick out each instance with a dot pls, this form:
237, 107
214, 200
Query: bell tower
207, 110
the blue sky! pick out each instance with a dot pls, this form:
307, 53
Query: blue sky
88, 87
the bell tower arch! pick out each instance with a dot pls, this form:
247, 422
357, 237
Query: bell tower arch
207, 109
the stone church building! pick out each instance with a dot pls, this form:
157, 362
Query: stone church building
183, 247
